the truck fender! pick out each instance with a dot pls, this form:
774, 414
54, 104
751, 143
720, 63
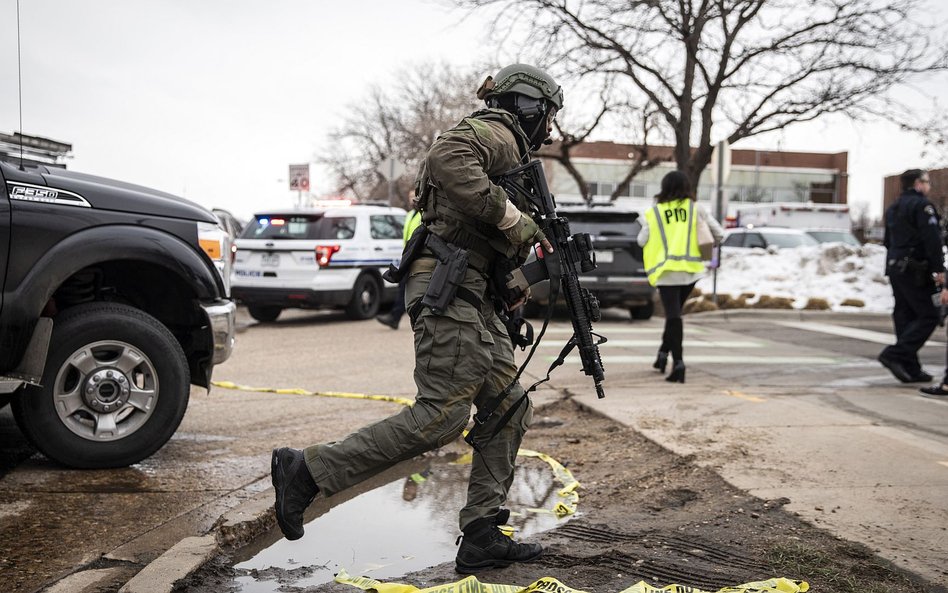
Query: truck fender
22, 307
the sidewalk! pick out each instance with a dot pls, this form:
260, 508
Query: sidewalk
854, 451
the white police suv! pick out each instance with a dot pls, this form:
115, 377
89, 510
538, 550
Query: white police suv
330, 257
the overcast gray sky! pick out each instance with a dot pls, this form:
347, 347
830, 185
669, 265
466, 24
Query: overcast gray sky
213, 99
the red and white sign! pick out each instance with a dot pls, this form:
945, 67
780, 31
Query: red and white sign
299, 177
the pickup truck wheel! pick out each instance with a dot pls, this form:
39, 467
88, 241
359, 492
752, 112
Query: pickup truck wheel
366, 298
642, 313
265, 314
115, 388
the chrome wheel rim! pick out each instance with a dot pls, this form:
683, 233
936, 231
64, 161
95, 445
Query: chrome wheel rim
106, 390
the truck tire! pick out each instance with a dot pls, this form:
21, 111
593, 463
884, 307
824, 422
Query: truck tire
115, 388
366, 298
642, 313
264, 313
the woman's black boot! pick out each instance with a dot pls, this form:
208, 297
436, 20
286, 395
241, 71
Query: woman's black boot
678, 372
661, 362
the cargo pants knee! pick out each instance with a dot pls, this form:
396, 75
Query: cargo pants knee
461, 356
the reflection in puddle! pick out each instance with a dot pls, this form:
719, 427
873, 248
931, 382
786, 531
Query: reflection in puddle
403, 526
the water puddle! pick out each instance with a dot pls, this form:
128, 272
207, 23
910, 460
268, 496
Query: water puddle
403, 525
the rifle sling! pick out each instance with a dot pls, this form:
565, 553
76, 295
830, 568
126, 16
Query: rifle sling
513, 409
485, 412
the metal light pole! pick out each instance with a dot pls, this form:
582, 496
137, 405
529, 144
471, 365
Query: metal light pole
721, 168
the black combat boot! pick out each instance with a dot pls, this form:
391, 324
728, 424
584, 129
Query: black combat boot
295, 490
483, 546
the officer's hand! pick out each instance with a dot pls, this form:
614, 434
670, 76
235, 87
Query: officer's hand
525, 230
940, 278
521, 301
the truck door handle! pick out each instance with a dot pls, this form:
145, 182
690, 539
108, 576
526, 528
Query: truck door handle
378, 249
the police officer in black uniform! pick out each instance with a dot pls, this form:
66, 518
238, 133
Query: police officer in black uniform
914, 263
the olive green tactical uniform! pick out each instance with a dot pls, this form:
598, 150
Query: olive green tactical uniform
463, 356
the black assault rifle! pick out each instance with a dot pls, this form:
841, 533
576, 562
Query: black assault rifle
572, 254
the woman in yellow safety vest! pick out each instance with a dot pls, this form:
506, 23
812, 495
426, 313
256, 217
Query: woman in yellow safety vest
673, 263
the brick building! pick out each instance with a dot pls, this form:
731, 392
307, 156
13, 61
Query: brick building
892, 187
756, 175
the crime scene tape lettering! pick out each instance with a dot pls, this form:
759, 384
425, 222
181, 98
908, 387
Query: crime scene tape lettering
550, 585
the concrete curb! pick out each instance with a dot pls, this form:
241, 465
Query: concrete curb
234, 528
237, 526
181, 560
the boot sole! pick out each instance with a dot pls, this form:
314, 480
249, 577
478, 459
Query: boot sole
277, 475
475, 568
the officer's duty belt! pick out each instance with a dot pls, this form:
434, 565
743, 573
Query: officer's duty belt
426, 263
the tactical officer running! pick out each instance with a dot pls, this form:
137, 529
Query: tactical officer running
463, 352
914, 263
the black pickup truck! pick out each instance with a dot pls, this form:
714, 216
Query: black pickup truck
619, 279
115, 298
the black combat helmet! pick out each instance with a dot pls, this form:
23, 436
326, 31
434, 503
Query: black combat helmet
527, 92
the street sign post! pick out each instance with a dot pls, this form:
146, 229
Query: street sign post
299, 181
391, 169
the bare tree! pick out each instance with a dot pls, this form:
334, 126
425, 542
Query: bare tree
399, 121
750, 66
577, 132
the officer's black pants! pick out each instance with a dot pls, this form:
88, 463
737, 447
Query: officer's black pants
915, 318
398, 307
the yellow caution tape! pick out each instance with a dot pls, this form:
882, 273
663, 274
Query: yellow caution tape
568, 493
551, 585
297, 391
419, 478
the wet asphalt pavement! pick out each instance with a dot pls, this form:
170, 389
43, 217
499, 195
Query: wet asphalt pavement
107, 525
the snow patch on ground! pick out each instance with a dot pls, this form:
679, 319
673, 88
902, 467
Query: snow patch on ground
832, 271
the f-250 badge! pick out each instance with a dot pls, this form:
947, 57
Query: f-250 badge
35, 193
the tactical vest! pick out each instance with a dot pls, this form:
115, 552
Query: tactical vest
672, 239
484, 241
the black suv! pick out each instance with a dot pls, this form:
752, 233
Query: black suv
619, 279
115, 298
